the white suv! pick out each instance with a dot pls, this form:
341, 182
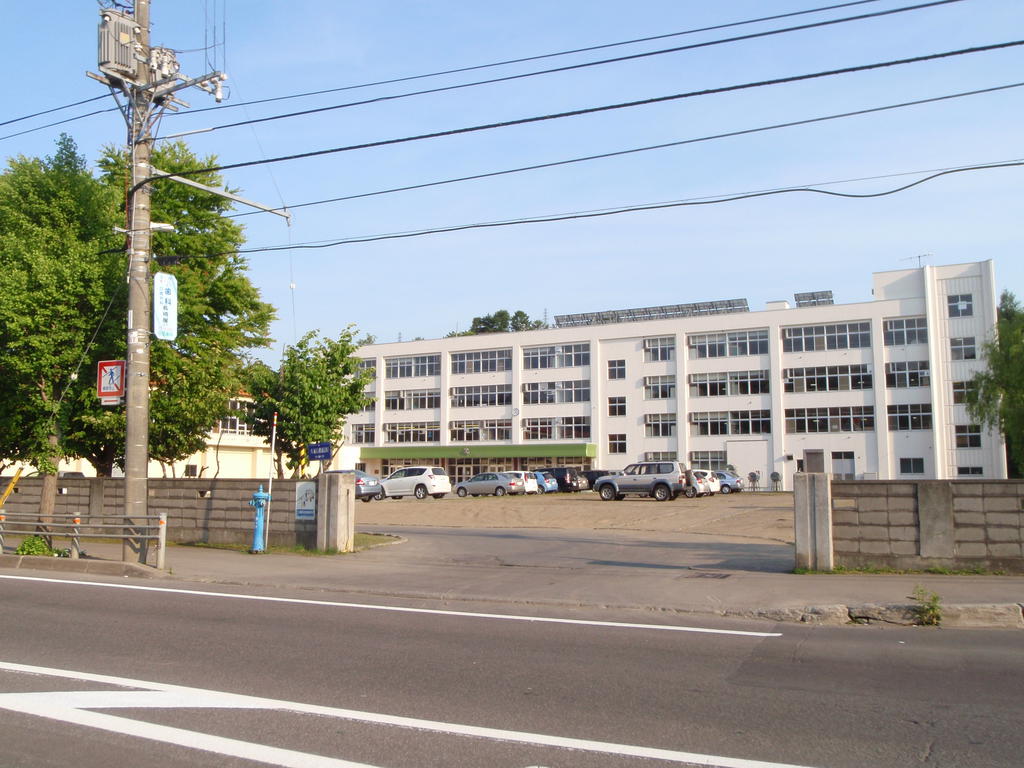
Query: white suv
417, 481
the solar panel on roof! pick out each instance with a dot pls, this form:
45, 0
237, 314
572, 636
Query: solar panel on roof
664, 312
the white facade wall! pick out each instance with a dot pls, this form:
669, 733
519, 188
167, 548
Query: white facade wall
875, 453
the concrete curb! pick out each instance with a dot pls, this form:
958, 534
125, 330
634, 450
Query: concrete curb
88, 565
956, 616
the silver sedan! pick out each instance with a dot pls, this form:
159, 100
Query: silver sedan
490, 483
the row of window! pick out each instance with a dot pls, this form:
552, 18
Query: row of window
895, 332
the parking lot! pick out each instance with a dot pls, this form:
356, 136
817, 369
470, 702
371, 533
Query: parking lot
746, 515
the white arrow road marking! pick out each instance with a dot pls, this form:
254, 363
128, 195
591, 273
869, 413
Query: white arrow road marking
397, 609
73, 707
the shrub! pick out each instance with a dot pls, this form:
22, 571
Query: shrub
34, 545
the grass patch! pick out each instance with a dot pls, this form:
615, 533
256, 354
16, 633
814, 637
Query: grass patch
361, 542
929, 607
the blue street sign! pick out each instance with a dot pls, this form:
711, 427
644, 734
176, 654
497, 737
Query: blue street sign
318, 451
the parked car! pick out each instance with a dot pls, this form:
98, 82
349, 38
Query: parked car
693, 485
367, 486
417, 481
529, 481
568, 478
731, 483
592, 475
546, 482
714, 486
490, 484
661, 480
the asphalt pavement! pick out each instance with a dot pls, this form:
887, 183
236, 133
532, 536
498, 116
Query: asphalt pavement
740, 576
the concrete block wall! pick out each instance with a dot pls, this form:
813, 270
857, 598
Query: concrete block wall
957, 524
214, 511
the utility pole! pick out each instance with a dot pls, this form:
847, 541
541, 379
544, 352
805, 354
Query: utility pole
143, 80
140, 147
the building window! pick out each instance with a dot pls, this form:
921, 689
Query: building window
368, 365
616, 369
911, 466
901, 331
369, 402
413, 365
660, 455
659, 387
730, 383
411, 399
616, 443
962, 348
660, 424
732, 344
616, 406
574, 428
559, 356
814, 338
830, 378
413, 432
191, 470
967, 471
485, 361
960, 305
556, 392
709, 384
750, 422
237, 422
742, 343
915, 416
659, 349
968, 436
487, 394
483, 429
363, 434
708, 460
539, 429
912, 373
709, 423
855, 418
962, 391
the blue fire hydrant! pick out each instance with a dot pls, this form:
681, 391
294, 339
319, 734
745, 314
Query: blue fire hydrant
259, 501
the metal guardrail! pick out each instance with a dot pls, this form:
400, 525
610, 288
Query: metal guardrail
69, 526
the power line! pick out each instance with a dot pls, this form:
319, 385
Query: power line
571, 67
60, 122
624, 209
539, 57
54, 109
604, 108
635, 150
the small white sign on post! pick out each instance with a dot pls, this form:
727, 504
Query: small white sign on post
305, 500
165, 306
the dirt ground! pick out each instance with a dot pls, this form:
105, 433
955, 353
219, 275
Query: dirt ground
745, 515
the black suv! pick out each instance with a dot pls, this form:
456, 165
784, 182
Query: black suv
568, 478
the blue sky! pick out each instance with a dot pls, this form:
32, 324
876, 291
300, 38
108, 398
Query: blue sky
761, 249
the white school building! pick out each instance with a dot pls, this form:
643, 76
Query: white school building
870, 390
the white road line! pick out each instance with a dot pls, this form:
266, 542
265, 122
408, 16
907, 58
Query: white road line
59, 706
397, 609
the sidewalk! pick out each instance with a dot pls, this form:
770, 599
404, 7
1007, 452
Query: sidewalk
662, 581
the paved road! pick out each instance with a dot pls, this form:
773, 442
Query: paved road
358, 685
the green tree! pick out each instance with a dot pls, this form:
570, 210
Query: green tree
996, 398
56, 279
316, 386
501, 322
220, 319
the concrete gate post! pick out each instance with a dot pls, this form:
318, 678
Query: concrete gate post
812, 521
335, 511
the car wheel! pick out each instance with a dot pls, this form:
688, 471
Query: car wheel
726, 489
690, 492
462, 493
367, 499
499, 491
661, 493
380, 496
420, 492
606, 492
